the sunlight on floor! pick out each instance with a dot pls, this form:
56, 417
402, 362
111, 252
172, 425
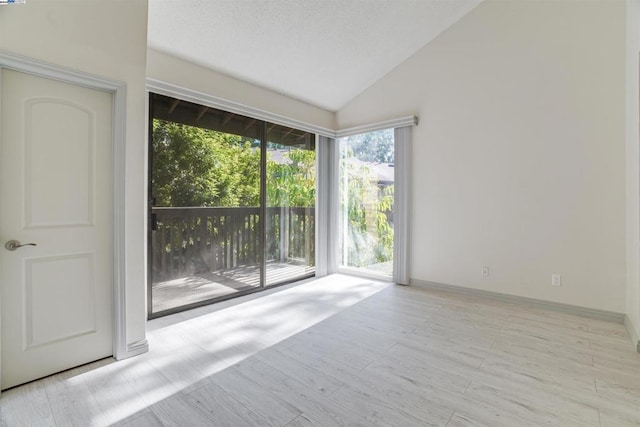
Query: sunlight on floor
187, 349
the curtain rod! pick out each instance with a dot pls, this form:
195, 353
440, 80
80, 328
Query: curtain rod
175, 91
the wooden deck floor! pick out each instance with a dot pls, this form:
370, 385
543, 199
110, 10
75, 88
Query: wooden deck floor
343, 351
192, 289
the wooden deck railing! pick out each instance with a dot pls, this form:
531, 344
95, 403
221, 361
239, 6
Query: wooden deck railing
196, 240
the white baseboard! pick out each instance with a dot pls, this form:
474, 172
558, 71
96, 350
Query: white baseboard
135, 349
633, 333
610, 316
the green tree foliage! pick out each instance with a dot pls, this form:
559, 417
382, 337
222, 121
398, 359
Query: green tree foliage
199, 167
293, 182
367, 212
383, 251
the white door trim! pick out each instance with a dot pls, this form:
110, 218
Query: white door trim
119, 90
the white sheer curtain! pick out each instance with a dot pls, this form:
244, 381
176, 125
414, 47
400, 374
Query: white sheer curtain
401, 208
328, 157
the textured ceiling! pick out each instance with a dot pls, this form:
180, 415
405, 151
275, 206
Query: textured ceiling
324, 52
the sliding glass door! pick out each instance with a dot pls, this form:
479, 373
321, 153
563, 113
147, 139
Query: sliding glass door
290, 212
227, 215
367, 202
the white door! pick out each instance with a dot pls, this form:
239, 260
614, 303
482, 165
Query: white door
55, 192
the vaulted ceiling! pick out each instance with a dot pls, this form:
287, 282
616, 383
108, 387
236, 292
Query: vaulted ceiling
324, 52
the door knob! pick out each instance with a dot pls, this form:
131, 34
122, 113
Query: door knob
12, 245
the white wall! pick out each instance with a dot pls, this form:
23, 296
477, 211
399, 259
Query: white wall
633, 167
107, 38
519, 157
171, 69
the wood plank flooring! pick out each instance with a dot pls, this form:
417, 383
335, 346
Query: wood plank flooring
343, 351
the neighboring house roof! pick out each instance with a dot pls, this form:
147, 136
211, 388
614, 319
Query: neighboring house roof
382, 172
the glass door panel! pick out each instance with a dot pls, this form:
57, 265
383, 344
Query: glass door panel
366, 208
290, 205
205, 214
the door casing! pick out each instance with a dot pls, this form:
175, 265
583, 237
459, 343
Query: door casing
35, 67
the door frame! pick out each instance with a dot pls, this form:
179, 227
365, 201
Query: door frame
118, 89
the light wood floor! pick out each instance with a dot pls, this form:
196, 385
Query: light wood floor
348, 351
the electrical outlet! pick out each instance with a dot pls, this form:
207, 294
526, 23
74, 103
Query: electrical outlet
485, 271
556, 279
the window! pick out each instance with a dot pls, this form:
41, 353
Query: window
229, 213
367, 201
